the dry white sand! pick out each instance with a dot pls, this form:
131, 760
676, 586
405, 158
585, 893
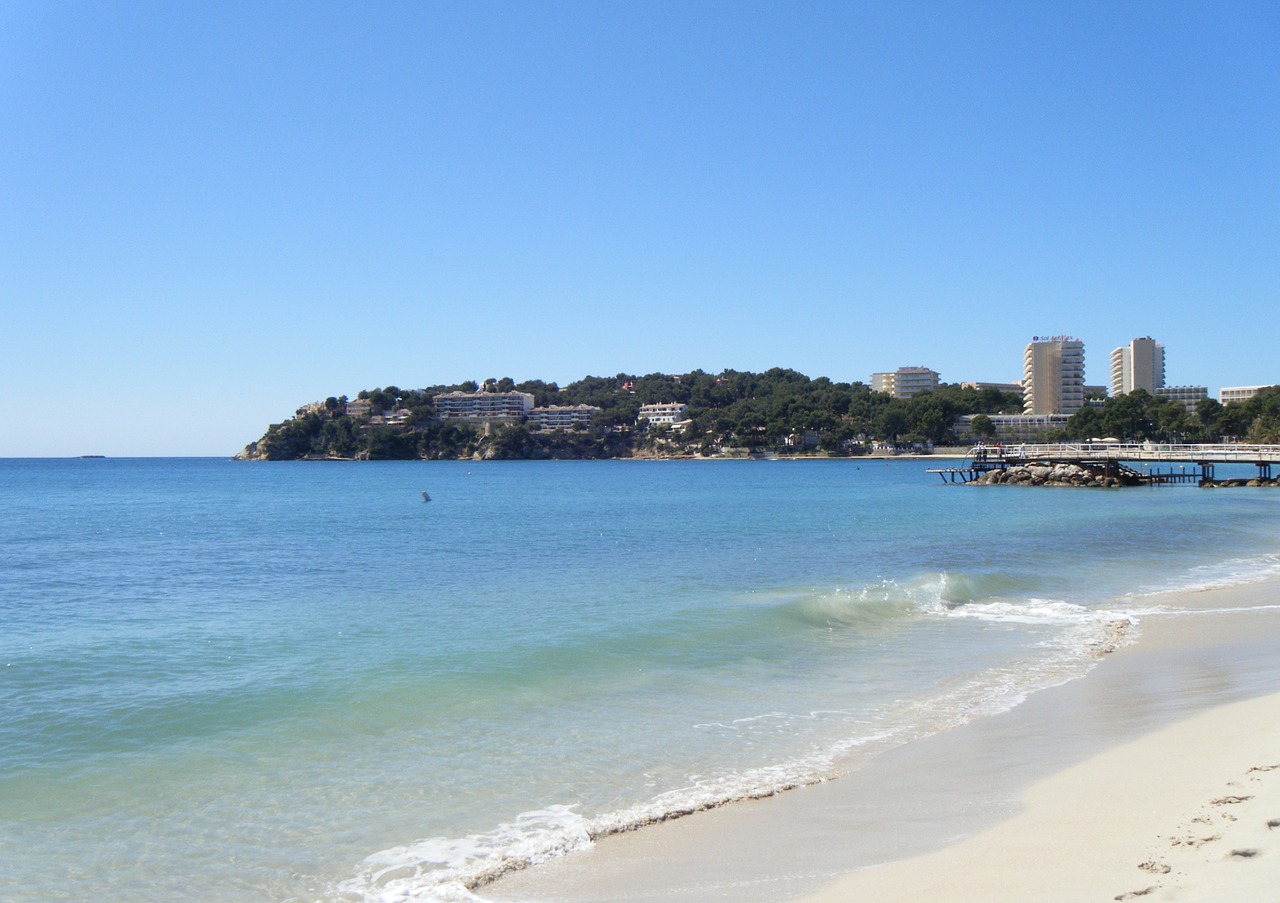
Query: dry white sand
1157, 775
1191, 812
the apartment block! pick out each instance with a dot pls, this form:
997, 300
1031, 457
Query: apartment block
1015, 427
562, 417
1053, 375
1188, 396
905, 382
483, 405
999, 387
1138, 365
662, 413
1231, 394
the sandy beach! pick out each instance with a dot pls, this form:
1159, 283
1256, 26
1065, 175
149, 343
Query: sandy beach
1190, 812
1154, 777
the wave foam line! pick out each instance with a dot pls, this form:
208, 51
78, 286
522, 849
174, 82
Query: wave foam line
450, 870
445, 870
1222, 575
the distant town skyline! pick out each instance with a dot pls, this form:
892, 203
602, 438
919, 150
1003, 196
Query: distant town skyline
212, 214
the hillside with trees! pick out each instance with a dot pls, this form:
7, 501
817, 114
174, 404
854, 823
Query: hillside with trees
730, 414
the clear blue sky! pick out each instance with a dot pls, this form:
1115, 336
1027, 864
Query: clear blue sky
211, 213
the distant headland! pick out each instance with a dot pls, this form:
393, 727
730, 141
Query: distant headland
733, 414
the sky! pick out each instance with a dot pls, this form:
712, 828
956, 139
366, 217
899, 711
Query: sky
213, 213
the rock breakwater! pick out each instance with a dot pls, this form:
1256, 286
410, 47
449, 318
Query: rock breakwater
1053, 475
1238, 482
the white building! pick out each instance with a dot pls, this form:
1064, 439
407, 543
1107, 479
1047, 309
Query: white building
1053, 375
999, 387
561, 416
905, 381
662, 413
1015, 427
1138, 365
483, 405
1189, 396
1230, 394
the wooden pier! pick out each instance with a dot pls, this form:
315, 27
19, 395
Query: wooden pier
1195, 462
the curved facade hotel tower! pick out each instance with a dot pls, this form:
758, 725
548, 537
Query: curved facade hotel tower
1138, 365
1053, 375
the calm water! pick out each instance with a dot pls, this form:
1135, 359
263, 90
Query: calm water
229, 682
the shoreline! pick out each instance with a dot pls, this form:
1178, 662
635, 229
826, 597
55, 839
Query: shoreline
878, 832
1183, 811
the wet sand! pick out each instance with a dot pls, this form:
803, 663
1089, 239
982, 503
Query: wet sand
1078, 793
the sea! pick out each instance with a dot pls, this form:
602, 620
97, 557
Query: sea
304, 681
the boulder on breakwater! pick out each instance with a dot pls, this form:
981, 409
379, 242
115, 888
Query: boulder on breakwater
1052, 475
1237, 482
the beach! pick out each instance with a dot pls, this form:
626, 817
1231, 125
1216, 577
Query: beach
1189, 812
1156, 776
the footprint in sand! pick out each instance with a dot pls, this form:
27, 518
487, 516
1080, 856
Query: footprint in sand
1230, 800
1138, 893
1244, 854
1193, 841
1274, 823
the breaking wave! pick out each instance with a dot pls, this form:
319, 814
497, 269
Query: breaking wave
445, 870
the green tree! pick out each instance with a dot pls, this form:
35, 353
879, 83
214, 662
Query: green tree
892, 424
385, 443
1265, 411
1085, 424
982, 426
512, 442
1130, 416
1173, 422
338, 438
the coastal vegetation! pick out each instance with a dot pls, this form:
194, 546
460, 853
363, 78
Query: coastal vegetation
1138, 416
734, 413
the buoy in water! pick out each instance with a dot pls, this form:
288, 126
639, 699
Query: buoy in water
425, 497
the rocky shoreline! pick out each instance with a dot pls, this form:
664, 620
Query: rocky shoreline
1095, 477
1053, 475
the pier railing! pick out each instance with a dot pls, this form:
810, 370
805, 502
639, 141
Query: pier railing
1233, 453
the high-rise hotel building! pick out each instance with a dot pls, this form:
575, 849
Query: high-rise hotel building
1138, 365
1053, 375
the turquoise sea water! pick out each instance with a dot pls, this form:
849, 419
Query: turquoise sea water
224, 681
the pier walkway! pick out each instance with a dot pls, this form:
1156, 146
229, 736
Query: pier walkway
1117, 456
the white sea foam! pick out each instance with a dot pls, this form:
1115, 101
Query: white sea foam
448, 870
1218, 575
445, 870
